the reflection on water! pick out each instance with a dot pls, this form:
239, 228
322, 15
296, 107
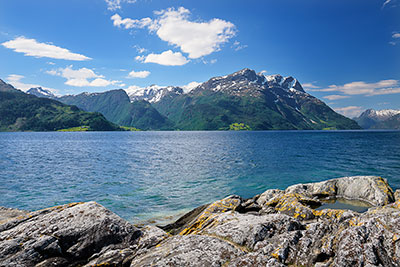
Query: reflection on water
344, 204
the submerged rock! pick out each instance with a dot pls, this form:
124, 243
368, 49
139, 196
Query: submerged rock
275, 228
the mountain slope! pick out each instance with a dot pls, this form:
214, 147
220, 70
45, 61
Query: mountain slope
5, 87
116, 106
23, 112
261, 102
390, 123
375, 119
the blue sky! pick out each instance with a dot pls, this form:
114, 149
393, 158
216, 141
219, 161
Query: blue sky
345, 52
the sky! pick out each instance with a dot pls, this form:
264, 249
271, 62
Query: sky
345, 52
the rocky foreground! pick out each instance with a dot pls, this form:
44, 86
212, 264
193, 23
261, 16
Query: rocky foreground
276, 228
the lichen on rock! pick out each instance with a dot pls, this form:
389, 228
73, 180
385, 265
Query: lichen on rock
275, 228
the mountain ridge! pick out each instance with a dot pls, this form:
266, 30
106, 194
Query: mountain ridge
25, 112
379, 119
254, 100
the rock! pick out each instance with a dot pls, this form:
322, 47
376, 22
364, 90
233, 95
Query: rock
397, 195
275, 228
372, 189
247, 230
190, 250
71, 233
7, 214
183, 221
269, 195
204, 218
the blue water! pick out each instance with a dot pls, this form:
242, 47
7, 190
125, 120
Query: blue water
141, 175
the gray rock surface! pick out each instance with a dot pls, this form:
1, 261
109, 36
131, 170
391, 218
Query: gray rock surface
69, 233
372, 189
275, 228
190, 250
7, 214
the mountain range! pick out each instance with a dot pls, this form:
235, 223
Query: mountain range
247, 98
25, 112
379, 119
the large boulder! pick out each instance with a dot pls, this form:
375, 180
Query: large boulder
372, 189
68, 234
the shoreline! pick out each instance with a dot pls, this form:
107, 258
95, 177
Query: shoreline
275, 228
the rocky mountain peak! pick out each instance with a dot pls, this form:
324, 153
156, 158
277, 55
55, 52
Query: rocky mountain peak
152, 93
40, 92
380, 114
247, 82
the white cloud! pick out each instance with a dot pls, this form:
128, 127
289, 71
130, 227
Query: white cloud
336, 97
81, 77
140, 58
166, 58
138, 74
15, 80
263, 72
237, 46
30, 47
173, 26
132, 23
391, 3
395, 36
116, 4
383, 87
310, 86
139, 49
350, 111
190, 86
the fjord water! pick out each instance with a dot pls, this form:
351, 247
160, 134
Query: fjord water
143, 175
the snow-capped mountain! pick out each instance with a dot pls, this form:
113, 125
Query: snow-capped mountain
40, 92
247, 82
258, 101
152, 93
375, 118
380, 115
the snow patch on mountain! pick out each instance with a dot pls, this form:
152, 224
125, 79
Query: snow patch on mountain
381, 114
152, 93
41, 92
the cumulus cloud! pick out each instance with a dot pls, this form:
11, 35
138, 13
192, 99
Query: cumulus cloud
166, 58
15, 80
31, 47
383, 87
197, 39
81, 77
138, 74
116, 4
350, 111
132, 23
